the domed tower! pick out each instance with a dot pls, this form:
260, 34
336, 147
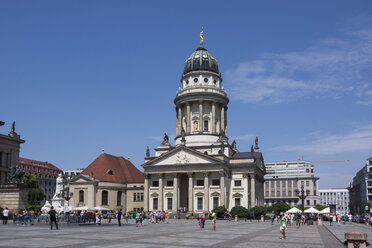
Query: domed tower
201, 102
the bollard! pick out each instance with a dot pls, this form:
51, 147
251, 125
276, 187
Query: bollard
356, 239
236, 218
262, 218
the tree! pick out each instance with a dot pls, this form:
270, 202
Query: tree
220, 211
257, 211
320, 207
240, 211
280, 207
35, 192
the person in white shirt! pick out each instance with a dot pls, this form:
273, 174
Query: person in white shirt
5, 216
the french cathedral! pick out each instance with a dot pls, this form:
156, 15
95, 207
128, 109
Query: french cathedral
203, 170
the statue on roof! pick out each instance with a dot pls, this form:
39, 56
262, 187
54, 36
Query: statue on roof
165, 139
183, 133
147, 152
256, 143
233, 147
252, 150
201, 36
13, 127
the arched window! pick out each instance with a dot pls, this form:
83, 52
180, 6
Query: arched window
104, 197
118, 198
205, 125
81, 196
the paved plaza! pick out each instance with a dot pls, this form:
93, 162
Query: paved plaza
179, 233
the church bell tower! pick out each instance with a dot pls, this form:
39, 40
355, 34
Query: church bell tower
201, 101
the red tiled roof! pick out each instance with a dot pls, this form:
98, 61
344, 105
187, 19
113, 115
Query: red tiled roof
122, 169
38, 164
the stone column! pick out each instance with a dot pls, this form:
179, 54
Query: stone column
175, 192
225, 124
191, 195
145, 194
201, 116
179, 120
253, 190
188, 119
245, 183
213, 117
206, 191
222, 185
223, 118
161, 194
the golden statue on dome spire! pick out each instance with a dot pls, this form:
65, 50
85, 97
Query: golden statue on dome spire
201, 37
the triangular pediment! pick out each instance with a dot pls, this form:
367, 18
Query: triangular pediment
82, 179
182, 156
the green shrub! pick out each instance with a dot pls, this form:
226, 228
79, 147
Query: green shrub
280, 207
220, 211
240, 211
257, 211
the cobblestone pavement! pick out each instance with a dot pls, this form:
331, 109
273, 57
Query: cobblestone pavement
179, 233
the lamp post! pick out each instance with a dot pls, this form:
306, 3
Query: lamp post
302, 196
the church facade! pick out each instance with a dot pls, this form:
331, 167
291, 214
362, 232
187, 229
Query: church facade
203, 169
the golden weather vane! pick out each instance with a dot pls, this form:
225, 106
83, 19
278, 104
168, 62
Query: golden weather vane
201, 36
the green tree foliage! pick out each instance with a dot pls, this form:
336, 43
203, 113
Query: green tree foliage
240, 211
30, 180
220, 211
280, 207
257, 211
320, 207
35, 194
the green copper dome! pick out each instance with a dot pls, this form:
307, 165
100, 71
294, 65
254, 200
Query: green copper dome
201, 60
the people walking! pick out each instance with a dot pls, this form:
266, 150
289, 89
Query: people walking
283, 226
108, 217
5, 216
52, 216
118, 216
20, 218
272, 217
214, 220
27, 218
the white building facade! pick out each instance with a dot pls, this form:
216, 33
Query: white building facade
202, 170
283, 182
338, 197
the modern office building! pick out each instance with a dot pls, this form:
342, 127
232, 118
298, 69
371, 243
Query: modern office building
283, 182
338, 197
360, 189
69, 174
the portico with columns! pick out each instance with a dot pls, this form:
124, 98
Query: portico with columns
202, 170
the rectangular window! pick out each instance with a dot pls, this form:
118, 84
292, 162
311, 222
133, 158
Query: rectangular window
237, 183
307, 183
200, 203
216, 182
155, 183
369, 183
155, 203
170, 203
170, 183
215, 202
141, 196
237, 202
314, 202
134, 196
308, 202
205, 125
200, 182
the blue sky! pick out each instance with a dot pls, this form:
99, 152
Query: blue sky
81, 76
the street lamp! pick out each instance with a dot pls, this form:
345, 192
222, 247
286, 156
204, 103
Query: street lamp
302, 196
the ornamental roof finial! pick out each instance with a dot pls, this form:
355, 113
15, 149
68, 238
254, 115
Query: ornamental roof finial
201, 37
